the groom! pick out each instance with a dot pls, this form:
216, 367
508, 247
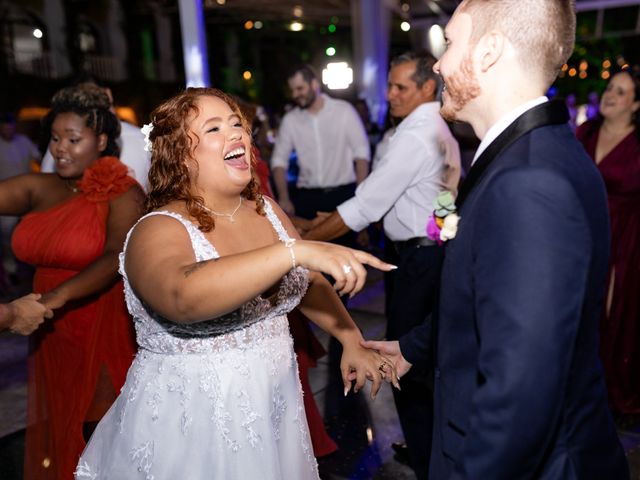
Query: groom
519, 391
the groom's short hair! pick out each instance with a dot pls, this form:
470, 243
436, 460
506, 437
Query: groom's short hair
542, 31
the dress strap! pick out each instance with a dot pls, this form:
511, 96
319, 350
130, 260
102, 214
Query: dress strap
283, 235
202, 248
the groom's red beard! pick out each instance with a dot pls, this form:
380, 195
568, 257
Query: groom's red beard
460, 88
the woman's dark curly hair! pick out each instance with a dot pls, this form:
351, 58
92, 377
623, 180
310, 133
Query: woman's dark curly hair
169, 178
92, 103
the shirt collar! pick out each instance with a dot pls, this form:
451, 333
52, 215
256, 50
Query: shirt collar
502, 124
419, 111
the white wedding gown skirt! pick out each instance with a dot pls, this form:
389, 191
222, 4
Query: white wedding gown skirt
234, 414
219, 399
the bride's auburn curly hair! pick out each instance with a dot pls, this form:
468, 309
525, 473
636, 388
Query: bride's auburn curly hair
169, 178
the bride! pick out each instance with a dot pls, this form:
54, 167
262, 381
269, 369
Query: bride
210, 274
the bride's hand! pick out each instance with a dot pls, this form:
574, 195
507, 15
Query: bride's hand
344, 264
359, 364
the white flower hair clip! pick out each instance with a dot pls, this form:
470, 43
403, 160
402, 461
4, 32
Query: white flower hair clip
146, 131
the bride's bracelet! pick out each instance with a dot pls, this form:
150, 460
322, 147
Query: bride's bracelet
289, 243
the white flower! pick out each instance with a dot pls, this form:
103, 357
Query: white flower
450, 227
146, 131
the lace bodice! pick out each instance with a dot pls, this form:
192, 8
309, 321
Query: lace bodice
158, 334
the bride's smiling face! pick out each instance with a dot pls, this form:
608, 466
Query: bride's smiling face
222, 147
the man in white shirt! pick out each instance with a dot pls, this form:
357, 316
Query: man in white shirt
331, 146
132, 152
422, 159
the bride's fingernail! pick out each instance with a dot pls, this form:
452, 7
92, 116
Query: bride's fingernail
346, 390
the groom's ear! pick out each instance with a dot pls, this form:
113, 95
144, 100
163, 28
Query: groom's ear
490, 49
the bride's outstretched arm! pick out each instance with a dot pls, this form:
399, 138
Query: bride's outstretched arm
160, 266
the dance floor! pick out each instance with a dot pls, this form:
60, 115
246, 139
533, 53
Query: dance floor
364, 429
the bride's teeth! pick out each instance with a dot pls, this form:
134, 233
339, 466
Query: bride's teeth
233, 153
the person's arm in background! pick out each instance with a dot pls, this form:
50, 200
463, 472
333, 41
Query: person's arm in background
331, 226
358, 142
452, 162
362, 169
24, 314
282, 189
280, 164
381, 190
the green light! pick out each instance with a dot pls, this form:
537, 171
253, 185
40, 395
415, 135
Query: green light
331, 28
330, 51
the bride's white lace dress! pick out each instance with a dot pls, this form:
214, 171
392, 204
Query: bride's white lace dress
219, 399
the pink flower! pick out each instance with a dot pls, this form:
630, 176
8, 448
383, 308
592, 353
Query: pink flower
433, 230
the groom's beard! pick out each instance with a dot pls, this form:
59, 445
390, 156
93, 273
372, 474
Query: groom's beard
460, 88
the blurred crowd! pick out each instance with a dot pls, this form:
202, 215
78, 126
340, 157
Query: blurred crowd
338, 175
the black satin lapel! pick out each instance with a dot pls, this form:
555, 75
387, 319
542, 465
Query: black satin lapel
548, 113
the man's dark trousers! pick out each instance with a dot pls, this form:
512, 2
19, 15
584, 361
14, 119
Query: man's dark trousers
412, 292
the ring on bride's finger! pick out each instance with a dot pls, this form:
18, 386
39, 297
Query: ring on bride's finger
346, 269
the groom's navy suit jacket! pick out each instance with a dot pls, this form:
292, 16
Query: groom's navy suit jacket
519, 391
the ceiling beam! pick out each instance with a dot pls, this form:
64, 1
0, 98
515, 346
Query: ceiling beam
604, 4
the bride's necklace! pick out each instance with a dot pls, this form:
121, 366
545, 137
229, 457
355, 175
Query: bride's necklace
71, 186
229, 215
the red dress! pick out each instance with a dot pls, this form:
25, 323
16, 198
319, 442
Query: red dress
620, 327
87, 339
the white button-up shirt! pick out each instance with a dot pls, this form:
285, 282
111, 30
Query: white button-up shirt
403, 186
326, 144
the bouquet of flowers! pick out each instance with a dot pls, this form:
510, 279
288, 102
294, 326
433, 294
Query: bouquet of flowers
443, 222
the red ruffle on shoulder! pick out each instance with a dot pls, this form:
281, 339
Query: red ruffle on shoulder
105, 179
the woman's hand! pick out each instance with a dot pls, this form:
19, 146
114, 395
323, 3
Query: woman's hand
345, 265
359, 364
53, 299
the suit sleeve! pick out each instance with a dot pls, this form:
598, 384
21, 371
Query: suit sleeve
531, 264
416, 346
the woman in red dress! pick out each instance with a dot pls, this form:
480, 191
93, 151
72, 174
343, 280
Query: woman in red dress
613, 141
73, 228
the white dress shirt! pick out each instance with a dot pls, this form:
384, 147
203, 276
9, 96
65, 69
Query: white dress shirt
326, 143
502, 124
132, 154
405, 183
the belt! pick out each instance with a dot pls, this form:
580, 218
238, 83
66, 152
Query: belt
329, 189
415, 242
